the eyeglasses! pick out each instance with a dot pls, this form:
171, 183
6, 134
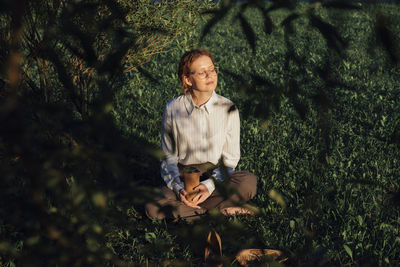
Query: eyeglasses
203, 74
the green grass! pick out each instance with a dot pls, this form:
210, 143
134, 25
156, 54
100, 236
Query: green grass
338, 204
320, 128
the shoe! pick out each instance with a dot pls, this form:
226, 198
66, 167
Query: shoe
233, 211
246, 255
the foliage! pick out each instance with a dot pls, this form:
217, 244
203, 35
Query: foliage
67, 170
82, 38
318, 93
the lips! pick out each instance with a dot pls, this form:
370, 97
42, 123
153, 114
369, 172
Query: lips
209, 83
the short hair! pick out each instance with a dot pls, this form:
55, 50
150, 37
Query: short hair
184, 65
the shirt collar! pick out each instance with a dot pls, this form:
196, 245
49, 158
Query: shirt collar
209, 106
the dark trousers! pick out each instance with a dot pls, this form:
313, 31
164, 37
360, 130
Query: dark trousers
240, 188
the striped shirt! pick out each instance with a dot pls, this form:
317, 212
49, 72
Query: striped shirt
195, 135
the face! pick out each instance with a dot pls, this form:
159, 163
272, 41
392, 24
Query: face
206, 84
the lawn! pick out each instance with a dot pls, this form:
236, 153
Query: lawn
318, 131
317, 88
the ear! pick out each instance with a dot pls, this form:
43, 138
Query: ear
187, 80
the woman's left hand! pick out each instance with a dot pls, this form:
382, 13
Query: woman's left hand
202, 195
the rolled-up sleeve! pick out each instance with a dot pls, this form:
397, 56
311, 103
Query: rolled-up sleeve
169, 164
209, 183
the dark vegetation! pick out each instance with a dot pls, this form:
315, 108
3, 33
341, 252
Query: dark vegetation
82, 89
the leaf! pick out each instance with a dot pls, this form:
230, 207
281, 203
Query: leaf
85, 38
332, 37
280, 4
293, 95
275, 195
208, 12
218, 15
232, 108
113, 61
248, 31
395, 136
340, 5
99, 200
148, 75
348, 250
116, 8
260, 80
268, 25
386, 37
213, 250
235, 76
287, 23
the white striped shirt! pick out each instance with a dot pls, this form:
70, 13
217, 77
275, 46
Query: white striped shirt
195, 135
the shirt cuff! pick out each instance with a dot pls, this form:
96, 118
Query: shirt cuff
209, 183
177, 185
218, 175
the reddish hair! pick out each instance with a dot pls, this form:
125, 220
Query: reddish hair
185, 63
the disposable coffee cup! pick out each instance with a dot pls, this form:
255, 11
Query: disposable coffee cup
191, 180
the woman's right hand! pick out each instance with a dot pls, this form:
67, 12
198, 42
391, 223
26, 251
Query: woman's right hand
182, 195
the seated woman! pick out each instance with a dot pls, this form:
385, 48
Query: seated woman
200, 128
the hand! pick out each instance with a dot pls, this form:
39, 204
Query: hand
182, 195
202, 195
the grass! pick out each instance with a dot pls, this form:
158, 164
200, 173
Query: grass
338, 208
320, 128
336, 187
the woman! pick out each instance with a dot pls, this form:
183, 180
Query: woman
199, 129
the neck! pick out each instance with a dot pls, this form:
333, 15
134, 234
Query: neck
200, 98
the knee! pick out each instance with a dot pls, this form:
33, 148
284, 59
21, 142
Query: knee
251, 184
153, 211
247, 184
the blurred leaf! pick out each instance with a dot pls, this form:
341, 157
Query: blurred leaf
248, 30
113, 62
232, 108
287, 22
2, 85
260, 80
268, 25
99, 200
340, 5
280, 4
395, 197
386, 37
218, 15
331, 35
148, 75
277, 197
292, 94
